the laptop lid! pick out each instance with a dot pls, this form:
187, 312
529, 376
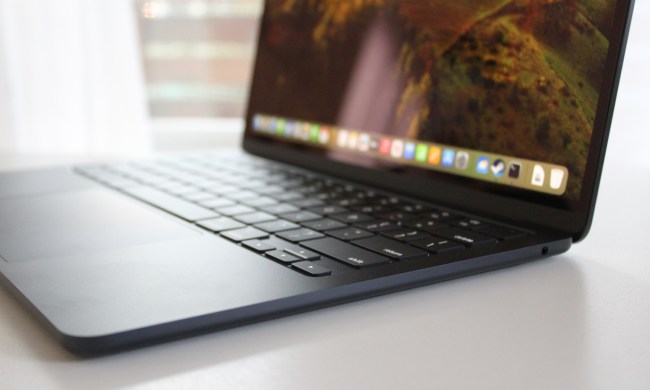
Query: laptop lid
501, 107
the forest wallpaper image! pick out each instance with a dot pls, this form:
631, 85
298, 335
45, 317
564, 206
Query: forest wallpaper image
514, 77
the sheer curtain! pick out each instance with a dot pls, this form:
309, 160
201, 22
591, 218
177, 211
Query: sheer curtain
71, 77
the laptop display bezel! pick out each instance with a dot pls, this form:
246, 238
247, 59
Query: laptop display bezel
574, 219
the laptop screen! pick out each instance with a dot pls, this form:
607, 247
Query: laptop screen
499, 95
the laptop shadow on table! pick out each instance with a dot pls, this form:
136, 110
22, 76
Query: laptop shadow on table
519, 313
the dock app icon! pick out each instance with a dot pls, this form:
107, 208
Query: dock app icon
483, 165
539, 176
514, 170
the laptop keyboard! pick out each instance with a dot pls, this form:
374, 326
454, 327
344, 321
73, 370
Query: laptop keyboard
295, 217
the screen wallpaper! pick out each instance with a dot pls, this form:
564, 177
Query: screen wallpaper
515, 77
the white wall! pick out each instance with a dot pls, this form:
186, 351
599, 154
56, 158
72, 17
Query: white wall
629, 142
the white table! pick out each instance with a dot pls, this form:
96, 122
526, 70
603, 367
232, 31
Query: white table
577, 321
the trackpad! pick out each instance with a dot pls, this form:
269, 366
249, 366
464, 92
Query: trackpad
79, 222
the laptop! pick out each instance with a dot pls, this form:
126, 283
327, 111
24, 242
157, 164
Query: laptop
388, 145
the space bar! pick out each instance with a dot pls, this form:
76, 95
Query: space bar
180, 208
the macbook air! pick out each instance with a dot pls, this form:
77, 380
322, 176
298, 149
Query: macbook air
389, 144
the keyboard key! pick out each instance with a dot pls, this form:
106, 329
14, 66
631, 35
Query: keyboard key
277, 226
182, 190
287, 196
277, 209
306, 203
328, 210
470, 224
414, 208
425, 224
247, 233
378, 226
179, 207
346, 253
328, 196
254, 218
258, 202
465, 236
351, 217
223, 189
198, 196
345, 188
305, 189
283, 257
235, 210
397, 216
442, 215
300, 216
323, 225
259, 246
251, 184
217, 203
291, 184
390, 248
218, 225
311, 269
438, 245
370, 209
119, 182
350, 233
205, 183
300, 235
300, 252
406, 235
241, 195
167, 185
269, 190
350, 202
502, 233
370, 194
385, 201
